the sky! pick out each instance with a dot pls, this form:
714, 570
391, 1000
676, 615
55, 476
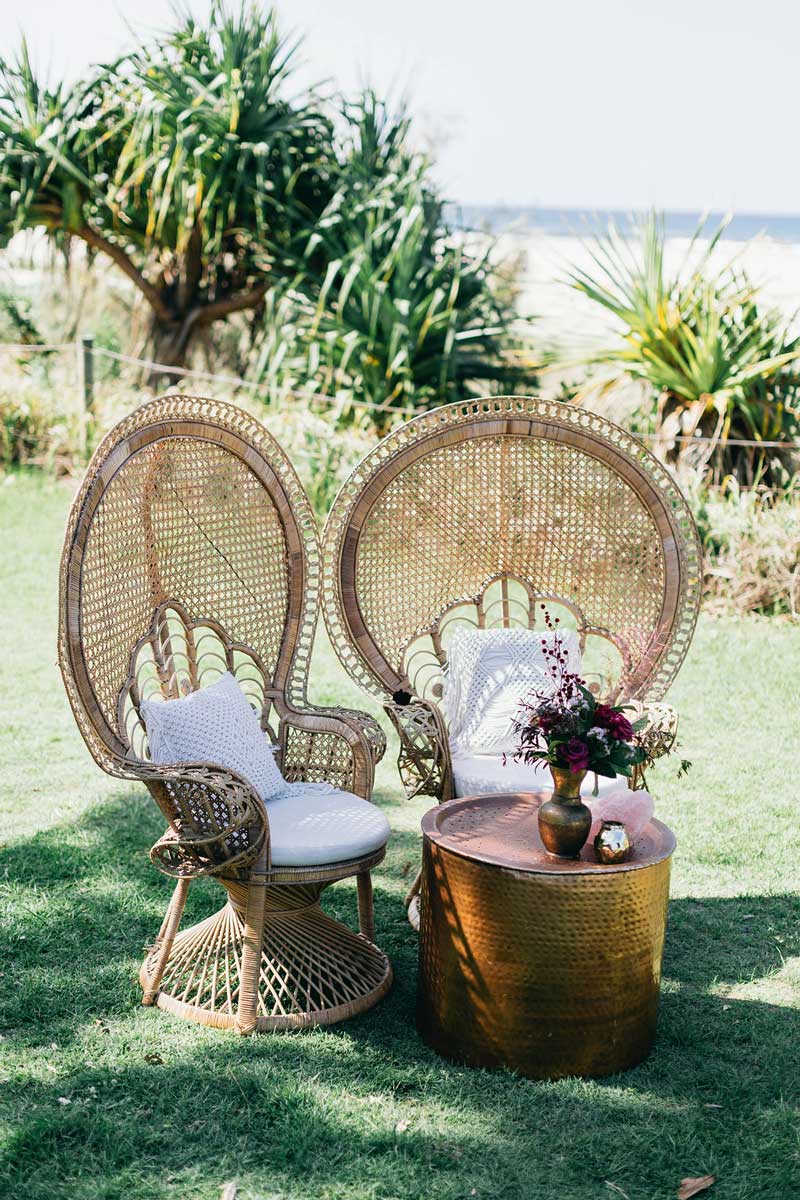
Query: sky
682, 104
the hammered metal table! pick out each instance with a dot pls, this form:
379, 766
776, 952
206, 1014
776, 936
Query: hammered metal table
548, 966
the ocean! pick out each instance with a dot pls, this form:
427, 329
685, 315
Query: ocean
581, 222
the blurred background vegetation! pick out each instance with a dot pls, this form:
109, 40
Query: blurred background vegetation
192, 208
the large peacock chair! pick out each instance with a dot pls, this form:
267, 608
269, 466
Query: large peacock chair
192, 551
487, 513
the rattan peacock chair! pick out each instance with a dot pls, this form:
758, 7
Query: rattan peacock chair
191, 551
485, 513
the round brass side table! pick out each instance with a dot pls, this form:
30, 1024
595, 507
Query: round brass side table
548, 966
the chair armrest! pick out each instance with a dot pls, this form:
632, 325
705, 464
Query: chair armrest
424, 757
217, 822
372, 729
329, 745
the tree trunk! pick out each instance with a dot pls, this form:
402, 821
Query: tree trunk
168, 346
176, 309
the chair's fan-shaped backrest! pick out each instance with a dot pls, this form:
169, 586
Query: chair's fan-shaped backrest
191, 549
489, 513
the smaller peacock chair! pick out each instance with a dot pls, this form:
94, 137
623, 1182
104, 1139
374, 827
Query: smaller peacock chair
505, 513
191, 555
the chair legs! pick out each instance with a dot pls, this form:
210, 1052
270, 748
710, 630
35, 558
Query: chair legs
166, 936
253, 941
366, 911
270, 958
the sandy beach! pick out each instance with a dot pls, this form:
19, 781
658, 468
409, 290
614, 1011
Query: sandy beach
571, 321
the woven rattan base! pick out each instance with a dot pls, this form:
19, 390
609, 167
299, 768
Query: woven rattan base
314, 970
546, 966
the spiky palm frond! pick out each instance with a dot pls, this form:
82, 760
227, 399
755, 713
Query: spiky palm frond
717, 361
187, 161
403, 315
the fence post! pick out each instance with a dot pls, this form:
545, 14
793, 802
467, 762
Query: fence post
85, 348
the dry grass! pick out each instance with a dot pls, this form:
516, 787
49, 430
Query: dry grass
752, 550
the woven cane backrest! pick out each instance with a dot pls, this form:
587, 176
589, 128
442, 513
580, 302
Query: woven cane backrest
510, 602
191, 549
491, 512
178, 655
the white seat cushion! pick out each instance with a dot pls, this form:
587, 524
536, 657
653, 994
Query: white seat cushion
215, 724
489, 673
474, 774
313, 824
310, 824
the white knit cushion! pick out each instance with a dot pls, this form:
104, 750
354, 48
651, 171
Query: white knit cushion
309, 823
489, 672
214, 725
479, 774
312, 824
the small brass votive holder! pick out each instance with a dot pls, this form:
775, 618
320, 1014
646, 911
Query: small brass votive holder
612, 843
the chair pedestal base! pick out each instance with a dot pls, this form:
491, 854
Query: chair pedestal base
314, 970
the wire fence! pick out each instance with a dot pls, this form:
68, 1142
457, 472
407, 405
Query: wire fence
86, 352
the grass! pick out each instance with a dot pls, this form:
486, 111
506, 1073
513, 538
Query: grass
101, 1098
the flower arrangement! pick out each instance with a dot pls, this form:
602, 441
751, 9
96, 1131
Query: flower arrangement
564, 726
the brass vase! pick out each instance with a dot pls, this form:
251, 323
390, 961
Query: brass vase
564, 820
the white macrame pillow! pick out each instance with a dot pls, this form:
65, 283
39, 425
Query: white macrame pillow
214, 725
489, 672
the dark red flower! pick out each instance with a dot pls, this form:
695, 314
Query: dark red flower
576, 753
620, 727
615, 722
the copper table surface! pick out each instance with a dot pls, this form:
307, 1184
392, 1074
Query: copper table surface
548, 966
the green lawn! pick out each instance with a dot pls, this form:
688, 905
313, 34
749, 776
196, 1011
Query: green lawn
103, 1098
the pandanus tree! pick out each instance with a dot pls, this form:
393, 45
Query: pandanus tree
390, 305
186, 162
719, 371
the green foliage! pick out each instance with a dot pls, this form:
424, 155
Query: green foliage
16, 323
34, 431
212, 148
187, 163
322, 451
751, 540
387, 306
715, 362
183, 161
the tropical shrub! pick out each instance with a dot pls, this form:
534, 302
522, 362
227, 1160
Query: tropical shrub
713, 361
388, 307
183, 162
751, 543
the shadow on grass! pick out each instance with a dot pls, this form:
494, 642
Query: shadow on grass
316, 1114
84, 901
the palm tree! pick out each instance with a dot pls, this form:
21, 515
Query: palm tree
715, 364
391, 306
184, 162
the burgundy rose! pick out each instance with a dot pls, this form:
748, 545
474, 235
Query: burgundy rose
576, 753
620, 727
615, 722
